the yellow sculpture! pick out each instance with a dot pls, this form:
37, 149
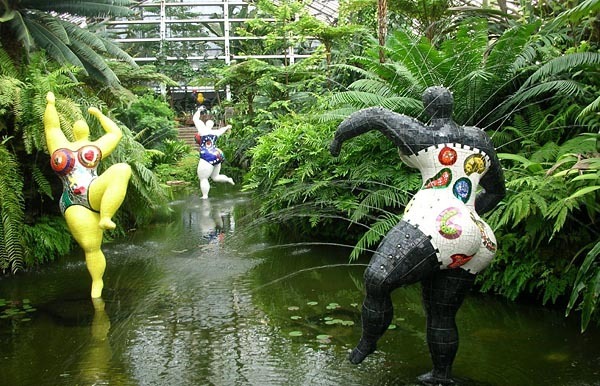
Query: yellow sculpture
89, 201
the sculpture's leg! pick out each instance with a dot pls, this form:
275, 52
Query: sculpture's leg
217, 177
108, 191
404, 256
83, 224
204, 171
443, 294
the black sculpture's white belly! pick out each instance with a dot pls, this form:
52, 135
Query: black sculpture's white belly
444, 207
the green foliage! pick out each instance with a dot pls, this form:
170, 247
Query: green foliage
11, 211
151, 120
479, 74
182, 170
304, 191
47, 240
552, 205
145, 194
587, 286
170, 152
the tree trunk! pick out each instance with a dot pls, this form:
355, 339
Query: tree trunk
381, 27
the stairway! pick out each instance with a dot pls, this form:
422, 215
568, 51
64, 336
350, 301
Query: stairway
186, 134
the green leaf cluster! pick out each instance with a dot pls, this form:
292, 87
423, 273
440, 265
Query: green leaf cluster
150, 119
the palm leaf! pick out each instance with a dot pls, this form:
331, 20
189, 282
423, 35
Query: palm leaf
90, 8
54, 45
22, 34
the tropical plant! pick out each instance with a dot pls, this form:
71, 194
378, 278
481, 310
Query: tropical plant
150, 118
170, 152
553, 207
182, 170
583, 174
305, 192
60, 28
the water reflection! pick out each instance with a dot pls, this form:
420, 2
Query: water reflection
195, 302
95, 363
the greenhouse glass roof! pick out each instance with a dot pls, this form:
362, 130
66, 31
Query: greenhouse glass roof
325, 10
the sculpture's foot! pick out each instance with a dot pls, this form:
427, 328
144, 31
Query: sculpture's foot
230, 180
204, 197
431, 379
106, 223
360, 352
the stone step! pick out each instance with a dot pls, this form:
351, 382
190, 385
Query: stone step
186, 134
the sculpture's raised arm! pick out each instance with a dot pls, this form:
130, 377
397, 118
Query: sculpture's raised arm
109, 141
55, 138
391, 124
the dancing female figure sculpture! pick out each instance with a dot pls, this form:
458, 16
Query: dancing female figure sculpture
89, 200
211, 157
440, 241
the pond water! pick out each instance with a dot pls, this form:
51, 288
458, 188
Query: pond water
206, 301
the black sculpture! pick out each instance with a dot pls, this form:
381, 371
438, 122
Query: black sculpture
441, 241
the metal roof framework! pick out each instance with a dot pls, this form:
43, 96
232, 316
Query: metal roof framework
205, 30
325, 10
201, 31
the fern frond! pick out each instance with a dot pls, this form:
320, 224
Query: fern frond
562, 64
372, 86
7, 66
335, 115
591, 282
593, 107
358, 99
586, 7
42, 182
379, 199
374, 235
11, 211
565, 88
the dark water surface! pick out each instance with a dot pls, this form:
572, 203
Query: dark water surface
206, 301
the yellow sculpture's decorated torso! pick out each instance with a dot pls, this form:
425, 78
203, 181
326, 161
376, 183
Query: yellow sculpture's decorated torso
77, 170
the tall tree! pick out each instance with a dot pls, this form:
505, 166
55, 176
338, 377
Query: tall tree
381, 27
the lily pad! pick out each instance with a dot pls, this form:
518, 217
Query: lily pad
323, 337
295, 333
392, 327
295, 317
312, 303
293, 308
